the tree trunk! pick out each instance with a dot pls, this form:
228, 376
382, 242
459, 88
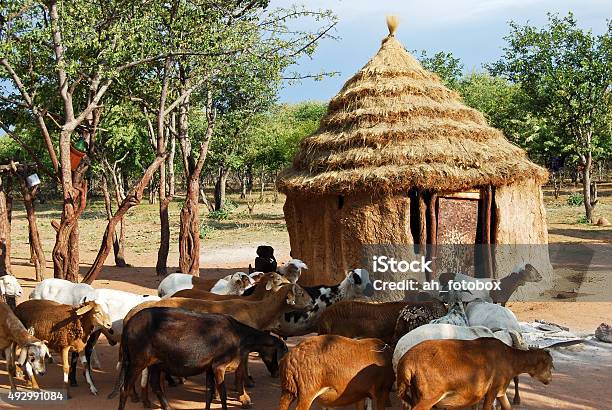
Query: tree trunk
589, 202
133, 198
62, 256
5, 234
220, 188
36, 249
117, 241
263, 182
189, 236
161, 267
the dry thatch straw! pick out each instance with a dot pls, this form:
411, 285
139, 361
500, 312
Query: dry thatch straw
395, 126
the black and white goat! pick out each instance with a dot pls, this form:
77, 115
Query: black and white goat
356, 284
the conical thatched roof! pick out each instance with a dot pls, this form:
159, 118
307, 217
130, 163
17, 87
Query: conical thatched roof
394, 126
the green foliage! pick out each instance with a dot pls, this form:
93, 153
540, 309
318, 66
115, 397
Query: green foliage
445, 65
583, 220
225, 212
206, 231
575, 199
564, 71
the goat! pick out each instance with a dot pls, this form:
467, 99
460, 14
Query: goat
10, 289
117, 303
267, 282
358, 319
456, 313
34, 352
507, 285
415, 315
355, 284
446, 331
494, 317
210, 342
336, 371
481, 369
292, 270
66, 327
62, 291
261, 314
231, 284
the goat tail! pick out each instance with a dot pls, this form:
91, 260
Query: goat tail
123, 363
407, 389
518, 341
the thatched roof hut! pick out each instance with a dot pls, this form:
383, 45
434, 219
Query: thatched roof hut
394, 141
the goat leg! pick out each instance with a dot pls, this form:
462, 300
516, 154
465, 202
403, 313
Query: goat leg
210, 387
220, 383
90, 353
517, 397
66, 369
156, 386
88, 375
74, 360
10, 365
144, 389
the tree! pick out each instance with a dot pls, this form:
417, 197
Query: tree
448, 67
565, 73
59, 59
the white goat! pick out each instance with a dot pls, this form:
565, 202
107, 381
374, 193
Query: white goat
292, 270
118, 303
230, 285
456, 314
446, 331
9, 286
494, 317
63, 291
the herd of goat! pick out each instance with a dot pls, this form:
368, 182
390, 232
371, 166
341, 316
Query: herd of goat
446, 352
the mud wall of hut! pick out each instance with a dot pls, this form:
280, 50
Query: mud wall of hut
522, 234
333, 234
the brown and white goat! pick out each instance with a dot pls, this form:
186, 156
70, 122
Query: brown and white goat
34, 352
66, 327
336, 371
460, 373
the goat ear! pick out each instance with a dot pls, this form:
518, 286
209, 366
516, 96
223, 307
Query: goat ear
84, 308
269, 284
291, 296
23, 356
31, 330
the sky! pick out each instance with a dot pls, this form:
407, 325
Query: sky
472, 30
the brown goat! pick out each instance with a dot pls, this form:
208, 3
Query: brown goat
353, 318
66, 327
336, 371
33, 351
461, 373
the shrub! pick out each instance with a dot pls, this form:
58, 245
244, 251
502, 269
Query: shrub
575, 200
206, 230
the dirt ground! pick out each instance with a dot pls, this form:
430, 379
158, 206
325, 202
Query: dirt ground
581, 379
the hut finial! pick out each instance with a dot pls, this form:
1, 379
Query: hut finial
392, 23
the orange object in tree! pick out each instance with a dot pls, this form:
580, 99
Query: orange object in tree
75, 157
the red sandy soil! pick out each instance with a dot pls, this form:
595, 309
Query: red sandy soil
577, 384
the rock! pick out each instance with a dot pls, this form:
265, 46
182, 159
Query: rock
604, 333
603, 222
